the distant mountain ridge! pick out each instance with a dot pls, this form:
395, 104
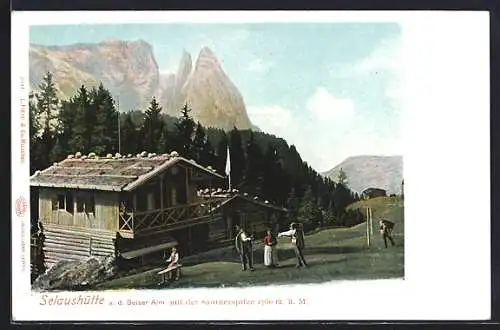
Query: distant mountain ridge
128, 69
369, 171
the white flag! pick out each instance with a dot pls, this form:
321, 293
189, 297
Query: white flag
228, 163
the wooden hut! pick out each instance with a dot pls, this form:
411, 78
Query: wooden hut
249, 212
373, 192
130, 206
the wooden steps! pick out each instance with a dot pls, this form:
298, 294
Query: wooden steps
75, 244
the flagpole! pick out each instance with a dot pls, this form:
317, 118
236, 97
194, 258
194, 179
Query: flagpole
228, 167
119, 134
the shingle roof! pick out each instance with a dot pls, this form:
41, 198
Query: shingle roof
227, 199
117, 173
369, 190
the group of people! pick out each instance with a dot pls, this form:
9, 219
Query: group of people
243, 244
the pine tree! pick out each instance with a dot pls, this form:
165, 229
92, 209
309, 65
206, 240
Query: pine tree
272, 175
47, 110
254, 167
152, 128
342, 177
129, 135
309, 213
164, 141
35, 130
184, 132
34, 119
47, 104
292, 205
80, 136
62, 146
329, 214
237, 157
57, 153
202, 149
342, 198
104, 137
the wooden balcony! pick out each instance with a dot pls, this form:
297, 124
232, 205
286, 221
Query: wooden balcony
132, 224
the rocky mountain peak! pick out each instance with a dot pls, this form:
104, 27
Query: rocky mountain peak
207, 60
130, 71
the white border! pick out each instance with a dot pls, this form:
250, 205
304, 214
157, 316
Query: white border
446, 162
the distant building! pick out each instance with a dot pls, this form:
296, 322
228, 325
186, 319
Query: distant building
373, 192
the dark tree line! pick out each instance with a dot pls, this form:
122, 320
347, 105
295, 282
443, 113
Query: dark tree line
261, 164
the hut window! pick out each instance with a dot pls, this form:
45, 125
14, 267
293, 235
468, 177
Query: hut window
55, 202
79, 205
61, 202
85, 204
90, 204
69, 203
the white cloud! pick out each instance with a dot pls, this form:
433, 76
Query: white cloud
330, 134
259, 66
272, 119
330, 130
385, 57
328, 108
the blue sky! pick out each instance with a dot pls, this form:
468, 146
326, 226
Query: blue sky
332, 89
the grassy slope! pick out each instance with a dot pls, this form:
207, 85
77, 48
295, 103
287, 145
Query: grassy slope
331, 254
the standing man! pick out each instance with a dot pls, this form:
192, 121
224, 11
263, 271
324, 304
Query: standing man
243, 244
386, 228
297, 235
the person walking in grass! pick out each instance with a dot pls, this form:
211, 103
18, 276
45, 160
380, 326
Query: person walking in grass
243, 244
270, 252
296, 233
386, 228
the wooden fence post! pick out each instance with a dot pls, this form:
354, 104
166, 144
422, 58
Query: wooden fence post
371, 222
368, 227
90, 246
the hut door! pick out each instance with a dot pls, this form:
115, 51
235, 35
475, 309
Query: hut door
229, 227
243, 220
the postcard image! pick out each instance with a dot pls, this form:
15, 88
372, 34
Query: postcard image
208, 170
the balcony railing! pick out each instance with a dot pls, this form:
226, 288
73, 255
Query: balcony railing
132, 223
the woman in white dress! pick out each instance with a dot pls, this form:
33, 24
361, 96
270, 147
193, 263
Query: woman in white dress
270, 252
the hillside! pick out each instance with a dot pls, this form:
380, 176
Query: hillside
128, 69
363, 172
390, 208
332, 254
